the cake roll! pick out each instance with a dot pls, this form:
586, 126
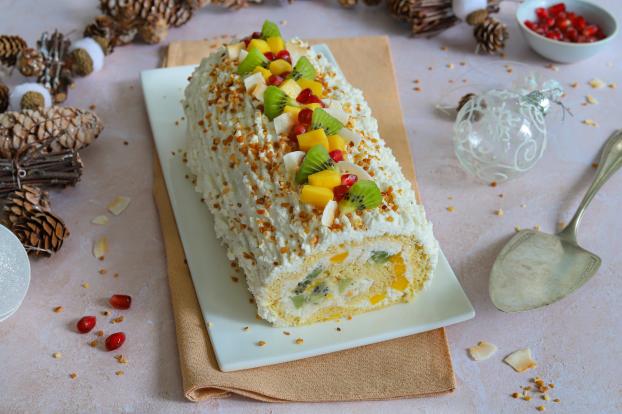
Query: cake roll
306, 197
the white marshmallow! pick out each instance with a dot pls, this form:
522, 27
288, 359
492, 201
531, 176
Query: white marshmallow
93, 49
19, 91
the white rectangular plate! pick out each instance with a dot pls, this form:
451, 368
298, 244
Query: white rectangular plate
225, 305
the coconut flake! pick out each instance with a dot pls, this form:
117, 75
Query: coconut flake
243, 54
483, 350
347, 167
119, 204
328, 215
253, 80
258, 91
234, 50
596, 83
101, 220
335, 110
292, 160
521, 360
100, 248
283, 123
350, 136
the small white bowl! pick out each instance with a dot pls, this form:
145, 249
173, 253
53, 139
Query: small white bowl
566, 52
14, 273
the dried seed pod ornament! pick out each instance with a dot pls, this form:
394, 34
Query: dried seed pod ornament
30, 62
56, 77
10, 46
30, 95
491, 35
85, 57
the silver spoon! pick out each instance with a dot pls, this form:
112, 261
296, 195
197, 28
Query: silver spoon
535, 269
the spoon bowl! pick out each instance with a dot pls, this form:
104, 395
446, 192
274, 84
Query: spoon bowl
535, 269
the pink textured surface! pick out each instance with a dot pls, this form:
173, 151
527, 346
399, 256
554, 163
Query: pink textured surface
576, 342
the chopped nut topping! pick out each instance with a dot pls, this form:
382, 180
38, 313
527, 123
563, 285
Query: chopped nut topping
499, 212
58, 309
100, 248
118, 319
261, 343
93, 343
99, 333
591, 100
299, 341
286, 333
540, 408
517, 395
119, 373
596, 83
451, 209
589, 122
86, 285
57, 355
121, 359
73, 375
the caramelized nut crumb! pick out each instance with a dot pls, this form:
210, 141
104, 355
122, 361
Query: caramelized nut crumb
299, 341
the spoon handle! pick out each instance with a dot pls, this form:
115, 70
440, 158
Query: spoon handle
610, 162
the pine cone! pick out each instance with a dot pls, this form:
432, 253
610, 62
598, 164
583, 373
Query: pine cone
154, 30
348, 3
30, 62
402, 9
490, 35
42, 233
10, 46
372, 2
57, 129
4, 97
103, 32
135, 12
466, 98
23, 202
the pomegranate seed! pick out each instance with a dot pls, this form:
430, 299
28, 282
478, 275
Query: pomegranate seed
563, 24
299, 129
115, 341
305, 116
284, 54
121, 301
269, 55
246, 40
340, 192
557, 9
275, 80
549, 22
256, 35
304, 95
541, 13
590, 30
349, 179
580, 23
336, 155
572, 34
531, 25
86, 324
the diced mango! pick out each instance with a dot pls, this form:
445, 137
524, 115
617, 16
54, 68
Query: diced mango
327, 178
317, 196
399, 282
291, 88
316, 87
264, 72
276, 44
377, 298
336, 142
311, 139
313, 106
259, 44
339, 258
399, 268
292, 110
280, 66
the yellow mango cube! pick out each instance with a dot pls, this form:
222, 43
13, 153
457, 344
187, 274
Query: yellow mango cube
292, 110
399, 282
336, 142
291, 88
259, 44
377, 298
316, 87
327, 178
317, 196
276, 44
313, 106
311, 139
280, 66
264, 72
339, 258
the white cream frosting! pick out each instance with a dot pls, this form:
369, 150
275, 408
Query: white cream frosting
234, 152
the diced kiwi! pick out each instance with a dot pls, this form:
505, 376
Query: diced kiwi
301, 286
322, 119
251, 61
303, 69
343, 284
298, 301
316, 160
364, 194
270, 29
318, 293
379, 257
275, 100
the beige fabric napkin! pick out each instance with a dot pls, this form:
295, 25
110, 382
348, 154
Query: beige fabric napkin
414, 366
